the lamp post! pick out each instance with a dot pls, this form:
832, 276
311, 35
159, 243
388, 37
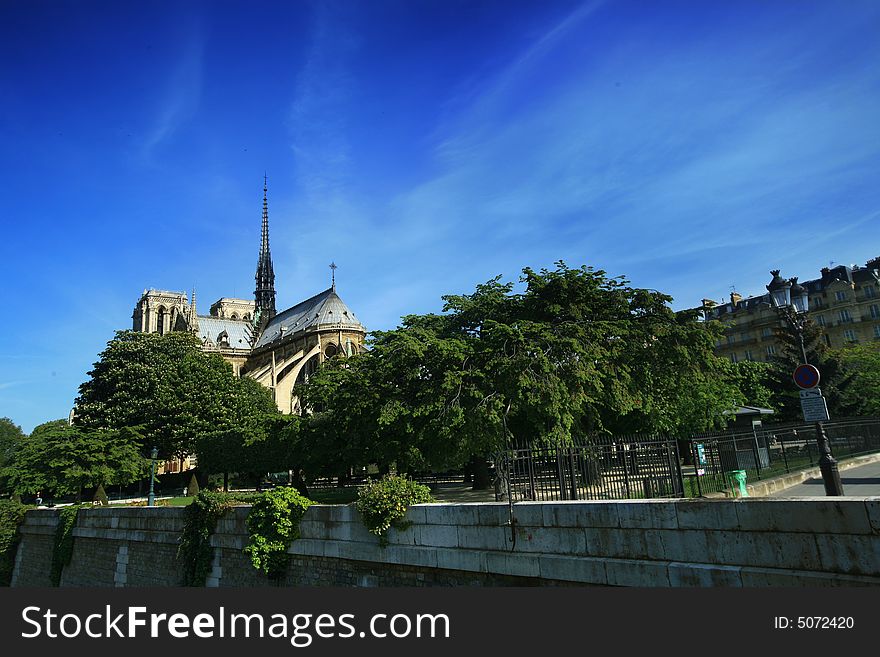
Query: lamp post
151, 498
791, 302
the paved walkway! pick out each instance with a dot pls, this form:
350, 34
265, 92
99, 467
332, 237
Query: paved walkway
860, 481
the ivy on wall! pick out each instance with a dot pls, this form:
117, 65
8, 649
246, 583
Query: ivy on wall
62, 548
11, 516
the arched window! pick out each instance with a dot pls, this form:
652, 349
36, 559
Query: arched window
160, 320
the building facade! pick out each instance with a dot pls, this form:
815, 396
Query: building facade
844, 301
277, 349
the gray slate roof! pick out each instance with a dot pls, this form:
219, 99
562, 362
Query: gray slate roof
240, 332
325, 308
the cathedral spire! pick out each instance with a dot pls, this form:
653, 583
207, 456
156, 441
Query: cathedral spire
264, 294
193, 316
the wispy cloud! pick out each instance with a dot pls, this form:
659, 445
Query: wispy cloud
710, 147
181, 95
320, 145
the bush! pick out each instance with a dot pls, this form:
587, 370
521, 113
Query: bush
11, 516
273, 524
101, 496
383, 503
193, 488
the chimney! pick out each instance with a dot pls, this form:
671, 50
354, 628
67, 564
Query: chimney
735, 298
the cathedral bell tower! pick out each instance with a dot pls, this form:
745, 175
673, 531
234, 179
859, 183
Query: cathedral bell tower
264, 294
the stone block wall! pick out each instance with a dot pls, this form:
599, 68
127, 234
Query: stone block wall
666, 543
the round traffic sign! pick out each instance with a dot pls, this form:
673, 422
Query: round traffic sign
806, 376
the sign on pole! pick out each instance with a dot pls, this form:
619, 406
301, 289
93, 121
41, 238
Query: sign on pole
813, 406
806, 376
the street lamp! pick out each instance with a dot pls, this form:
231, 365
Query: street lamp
151, 498
791, 302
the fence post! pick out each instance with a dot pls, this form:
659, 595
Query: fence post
784, 457
560, 474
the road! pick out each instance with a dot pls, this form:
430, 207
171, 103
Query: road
860, 481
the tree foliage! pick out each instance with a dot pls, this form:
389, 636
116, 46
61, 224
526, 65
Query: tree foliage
863, 360
65, 459
11, 438
836, 376
181, 399
575, 352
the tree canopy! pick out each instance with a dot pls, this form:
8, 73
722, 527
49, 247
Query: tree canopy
173, 392
575, 352
65, 459
836, 376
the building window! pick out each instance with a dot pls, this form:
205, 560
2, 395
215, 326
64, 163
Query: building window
765, 332
850, 335
845, 317
827, 340
877, 331
869, 291
840, 295
875, 311
160, 320
730, 339
744, 336
733, 357
770, 350
748, 355
820, 320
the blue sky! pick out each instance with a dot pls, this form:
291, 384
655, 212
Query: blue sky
424, 147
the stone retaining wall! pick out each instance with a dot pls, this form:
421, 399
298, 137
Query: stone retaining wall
749, 542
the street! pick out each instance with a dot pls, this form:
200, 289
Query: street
861, 481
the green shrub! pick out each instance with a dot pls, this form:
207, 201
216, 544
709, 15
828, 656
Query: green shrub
273, 524
11, 516
62, 548
383, 503
101, 496
193, 488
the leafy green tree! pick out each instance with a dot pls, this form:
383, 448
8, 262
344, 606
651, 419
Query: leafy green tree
863, 360
177, 395
65, 459
843, 398
575, 352
11, 438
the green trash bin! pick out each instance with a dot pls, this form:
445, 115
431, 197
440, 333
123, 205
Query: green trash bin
737, 481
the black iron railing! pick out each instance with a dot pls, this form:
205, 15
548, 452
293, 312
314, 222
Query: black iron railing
600, 467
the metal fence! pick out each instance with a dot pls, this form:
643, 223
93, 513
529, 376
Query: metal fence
770, 451
639, 467
600, 467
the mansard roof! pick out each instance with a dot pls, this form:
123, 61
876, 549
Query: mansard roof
324, 310
239, 333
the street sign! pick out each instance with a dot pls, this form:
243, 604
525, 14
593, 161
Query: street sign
812, 392
806, 376
815, 409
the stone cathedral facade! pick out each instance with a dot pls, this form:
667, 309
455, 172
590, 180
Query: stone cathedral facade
278, 349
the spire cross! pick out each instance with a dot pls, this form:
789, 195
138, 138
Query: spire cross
333, 269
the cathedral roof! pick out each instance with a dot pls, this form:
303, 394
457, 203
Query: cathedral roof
239, 333
322, 310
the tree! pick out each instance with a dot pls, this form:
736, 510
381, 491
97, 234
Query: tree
11, 437
574, 353
172, 391
863, 360
65, 459
844, 399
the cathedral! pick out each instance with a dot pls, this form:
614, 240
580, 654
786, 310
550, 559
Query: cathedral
277, 349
